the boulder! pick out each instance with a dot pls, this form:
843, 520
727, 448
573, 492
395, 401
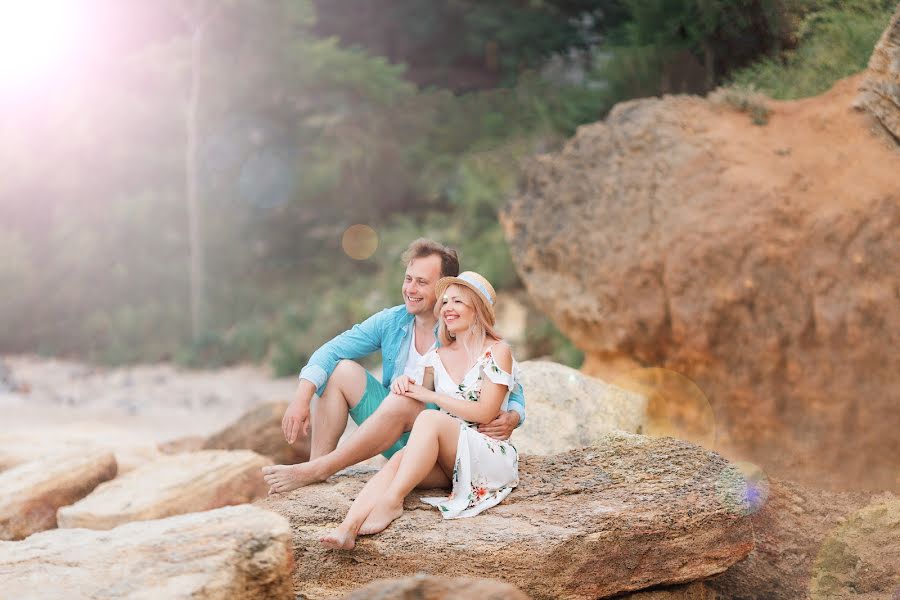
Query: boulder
171, 485
25, 446
426, 587
629, 513
757, 262
880, 90
259, 430
31, 493
234, 553
569, 410
797, 531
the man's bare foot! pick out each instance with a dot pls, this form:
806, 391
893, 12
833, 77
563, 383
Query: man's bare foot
380, 517
284, 478
337, 539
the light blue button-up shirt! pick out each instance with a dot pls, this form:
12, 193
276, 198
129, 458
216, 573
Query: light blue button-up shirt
390, 331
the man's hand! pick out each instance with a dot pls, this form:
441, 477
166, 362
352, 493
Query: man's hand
296, 417
501, 427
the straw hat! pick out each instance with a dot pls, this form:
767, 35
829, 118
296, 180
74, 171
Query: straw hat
483, 289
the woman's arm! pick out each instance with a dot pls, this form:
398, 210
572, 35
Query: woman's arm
489, 401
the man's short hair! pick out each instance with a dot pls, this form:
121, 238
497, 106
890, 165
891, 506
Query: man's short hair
423, 247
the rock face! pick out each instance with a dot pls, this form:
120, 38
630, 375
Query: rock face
31, 493
568, 410
259, 430
438, 588
860, 560
692, 591
172, 485
759, 262
234, 553
799, 533
630, 513
880, 91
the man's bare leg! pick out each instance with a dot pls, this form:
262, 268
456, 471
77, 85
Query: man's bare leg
345, 389
376, 434
395, 416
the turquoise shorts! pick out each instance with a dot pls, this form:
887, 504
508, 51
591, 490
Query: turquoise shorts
371, 400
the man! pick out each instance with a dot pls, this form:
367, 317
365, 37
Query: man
403, 334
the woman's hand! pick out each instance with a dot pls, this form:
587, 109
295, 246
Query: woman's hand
420, 393
401, 385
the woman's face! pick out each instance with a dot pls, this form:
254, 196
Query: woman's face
457, 309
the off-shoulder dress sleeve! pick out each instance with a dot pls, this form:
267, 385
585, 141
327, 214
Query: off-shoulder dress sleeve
495, 372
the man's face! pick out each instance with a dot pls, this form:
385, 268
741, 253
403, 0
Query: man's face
418, 284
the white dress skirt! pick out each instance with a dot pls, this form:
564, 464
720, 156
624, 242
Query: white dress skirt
486, 470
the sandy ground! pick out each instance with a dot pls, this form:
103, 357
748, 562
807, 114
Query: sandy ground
153, 403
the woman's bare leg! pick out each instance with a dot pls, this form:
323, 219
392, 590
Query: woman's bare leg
344, 535
428, 458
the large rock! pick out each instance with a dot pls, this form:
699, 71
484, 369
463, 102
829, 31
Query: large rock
569, 410
630, 513
259, 430
172, 485
235, 553
427, 587
792, 532
880, 90
24, 446
759, 262
31, 493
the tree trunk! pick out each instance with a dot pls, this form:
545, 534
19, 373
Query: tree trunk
195, 213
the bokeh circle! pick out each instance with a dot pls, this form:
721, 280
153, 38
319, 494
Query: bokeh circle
676, 406
359, 242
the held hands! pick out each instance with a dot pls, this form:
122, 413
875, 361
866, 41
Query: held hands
404, 386
401, 385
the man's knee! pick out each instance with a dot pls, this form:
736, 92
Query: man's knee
347, 375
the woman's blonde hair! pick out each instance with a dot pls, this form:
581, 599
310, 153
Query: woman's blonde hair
482, 329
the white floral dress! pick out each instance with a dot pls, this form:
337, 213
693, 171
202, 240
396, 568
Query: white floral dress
486, 469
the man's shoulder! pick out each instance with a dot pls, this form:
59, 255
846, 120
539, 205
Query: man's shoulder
395, 315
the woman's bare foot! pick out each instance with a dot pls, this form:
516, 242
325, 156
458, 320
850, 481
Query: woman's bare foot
284, 478
380, 517
338, 539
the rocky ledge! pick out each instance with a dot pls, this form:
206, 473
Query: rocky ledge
233, 553
626, 514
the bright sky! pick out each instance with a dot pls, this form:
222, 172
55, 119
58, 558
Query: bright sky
36, 36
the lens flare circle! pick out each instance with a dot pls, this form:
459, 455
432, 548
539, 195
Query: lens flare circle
676, 406
742, 488
359, 242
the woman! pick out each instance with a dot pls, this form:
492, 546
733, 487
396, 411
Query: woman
472, 375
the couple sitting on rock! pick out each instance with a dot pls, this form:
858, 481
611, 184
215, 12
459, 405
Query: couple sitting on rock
440, 351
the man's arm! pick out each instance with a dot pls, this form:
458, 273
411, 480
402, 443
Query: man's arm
362, 339
296, 417
517, 403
